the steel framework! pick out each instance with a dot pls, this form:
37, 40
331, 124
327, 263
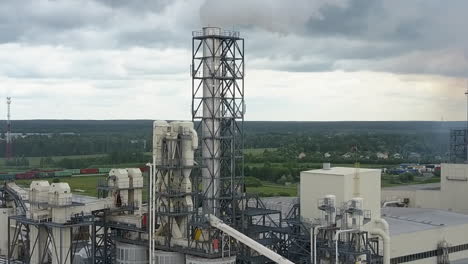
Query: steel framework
458, 145
21, 245
218, 112
218, 108
105, 233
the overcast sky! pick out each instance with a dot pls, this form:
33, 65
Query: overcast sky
305, 59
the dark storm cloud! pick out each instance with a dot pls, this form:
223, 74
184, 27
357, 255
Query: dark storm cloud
383, 35
419, 36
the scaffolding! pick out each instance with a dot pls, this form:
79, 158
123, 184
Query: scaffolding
22, 244
105, 233
218, 113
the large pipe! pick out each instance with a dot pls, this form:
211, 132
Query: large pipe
217, 223
390, 202
150, 211
384, 233
211, 147
384, 225
337, 236
386, 240
315, 234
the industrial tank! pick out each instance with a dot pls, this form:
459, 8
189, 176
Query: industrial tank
60, 194
197, 260
39, 192
164, 257
131, 254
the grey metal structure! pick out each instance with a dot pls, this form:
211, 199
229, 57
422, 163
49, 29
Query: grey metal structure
105, 233
351, 245
21, 245
218, 112
218, 108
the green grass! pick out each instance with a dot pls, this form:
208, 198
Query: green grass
88, 183
35, 161
319, 165
272, 189
387, 181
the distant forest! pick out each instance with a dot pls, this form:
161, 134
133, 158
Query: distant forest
287, 141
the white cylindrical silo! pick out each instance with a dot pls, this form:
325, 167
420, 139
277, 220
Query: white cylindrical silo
211, 148
160, 129
131, 254
165, 257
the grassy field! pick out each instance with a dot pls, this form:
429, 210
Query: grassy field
392, 180
88, 184
272, 189
35, 161
319, 165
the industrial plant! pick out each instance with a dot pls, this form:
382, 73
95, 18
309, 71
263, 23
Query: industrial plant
197, 210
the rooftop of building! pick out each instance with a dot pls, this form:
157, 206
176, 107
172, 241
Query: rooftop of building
414, 187
341, 171
460, 261
408, 220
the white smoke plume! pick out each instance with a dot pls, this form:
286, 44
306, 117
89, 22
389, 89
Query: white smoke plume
282, 16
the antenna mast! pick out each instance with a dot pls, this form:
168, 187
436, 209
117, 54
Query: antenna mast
8, 152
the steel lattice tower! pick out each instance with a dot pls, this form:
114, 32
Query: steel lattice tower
218, 112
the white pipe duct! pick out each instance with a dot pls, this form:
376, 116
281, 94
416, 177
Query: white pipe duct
211, 133
384, 233
390, 202
386, 241
314, 239
337, 236
384, 224
150, 209
217, 223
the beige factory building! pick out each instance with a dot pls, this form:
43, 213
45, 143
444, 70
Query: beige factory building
450, 195
424, 235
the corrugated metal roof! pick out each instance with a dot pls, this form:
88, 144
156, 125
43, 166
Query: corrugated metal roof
408, 220
460, 261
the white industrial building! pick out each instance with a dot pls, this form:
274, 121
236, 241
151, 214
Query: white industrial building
428, 234
451, 194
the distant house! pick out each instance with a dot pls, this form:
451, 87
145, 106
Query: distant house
397, 156
327, 155
381, 155
347, 155
301, 155
414, 155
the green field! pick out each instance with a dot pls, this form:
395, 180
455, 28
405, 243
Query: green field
272, 189
35, 161
392, 180
88, 184
319, 165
